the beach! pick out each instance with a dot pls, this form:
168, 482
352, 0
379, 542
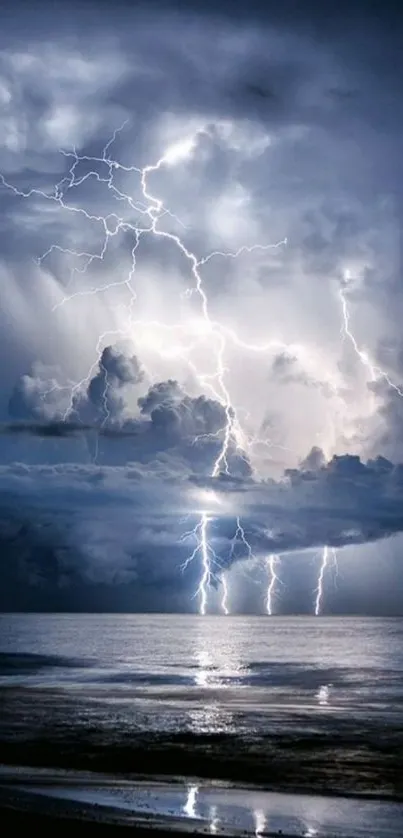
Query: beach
206, 725
102, 802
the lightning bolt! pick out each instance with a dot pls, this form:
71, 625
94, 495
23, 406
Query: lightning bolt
210, 562
329, 557
144, 218
238, 537
149, 211
272, 563
375, 371
206, 556
224, 598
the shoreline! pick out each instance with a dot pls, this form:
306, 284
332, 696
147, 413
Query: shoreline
335, 766
96, 805
13, 775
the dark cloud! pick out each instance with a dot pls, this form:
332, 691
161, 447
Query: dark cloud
59, 430
314, 461
70, 527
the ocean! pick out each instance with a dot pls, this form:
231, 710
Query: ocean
297, 705
212, 674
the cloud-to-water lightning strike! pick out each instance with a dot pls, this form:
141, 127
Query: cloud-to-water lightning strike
209, 559
272, 563
152, 209
224, 598
329, 556
319, 589
239, 537
206, 572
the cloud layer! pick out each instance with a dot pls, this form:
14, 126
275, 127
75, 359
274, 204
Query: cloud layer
66, 527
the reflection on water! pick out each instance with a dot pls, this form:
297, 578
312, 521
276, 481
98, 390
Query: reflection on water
323, 695
214, 820
259, 818
204, 664
190, 805
203, 808
189, 809
218, 656
178, 673
218, 664
210, 717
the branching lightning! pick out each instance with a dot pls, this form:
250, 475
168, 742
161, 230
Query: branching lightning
144, 217
210, 562
374, 370
239, 537
151, 211
329, 555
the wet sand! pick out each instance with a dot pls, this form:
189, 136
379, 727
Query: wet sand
363, 763
21, 822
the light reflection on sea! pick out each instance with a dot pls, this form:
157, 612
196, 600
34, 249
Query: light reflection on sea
200, 808
212, 674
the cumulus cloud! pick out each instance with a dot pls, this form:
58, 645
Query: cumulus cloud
36, 395
105, 391
163, 420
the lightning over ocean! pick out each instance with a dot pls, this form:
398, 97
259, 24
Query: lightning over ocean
144, 216
201, 418
150, 210
207, 314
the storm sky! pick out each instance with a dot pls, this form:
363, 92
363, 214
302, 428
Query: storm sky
202, 299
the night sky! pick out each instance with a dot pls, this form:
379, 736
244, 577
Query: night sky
201, 305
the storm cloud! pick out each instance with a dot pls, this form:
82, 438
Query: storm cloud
82, 527
272, 135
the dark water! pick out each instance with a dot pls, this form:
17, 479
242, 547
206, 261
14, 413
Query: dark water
202, 673
279, 701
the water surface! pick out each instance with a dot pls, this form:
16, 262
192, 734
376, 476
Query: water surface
282, 702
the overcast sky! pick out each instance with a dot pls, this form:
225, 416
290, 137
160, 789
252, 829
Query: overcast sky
200, 265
